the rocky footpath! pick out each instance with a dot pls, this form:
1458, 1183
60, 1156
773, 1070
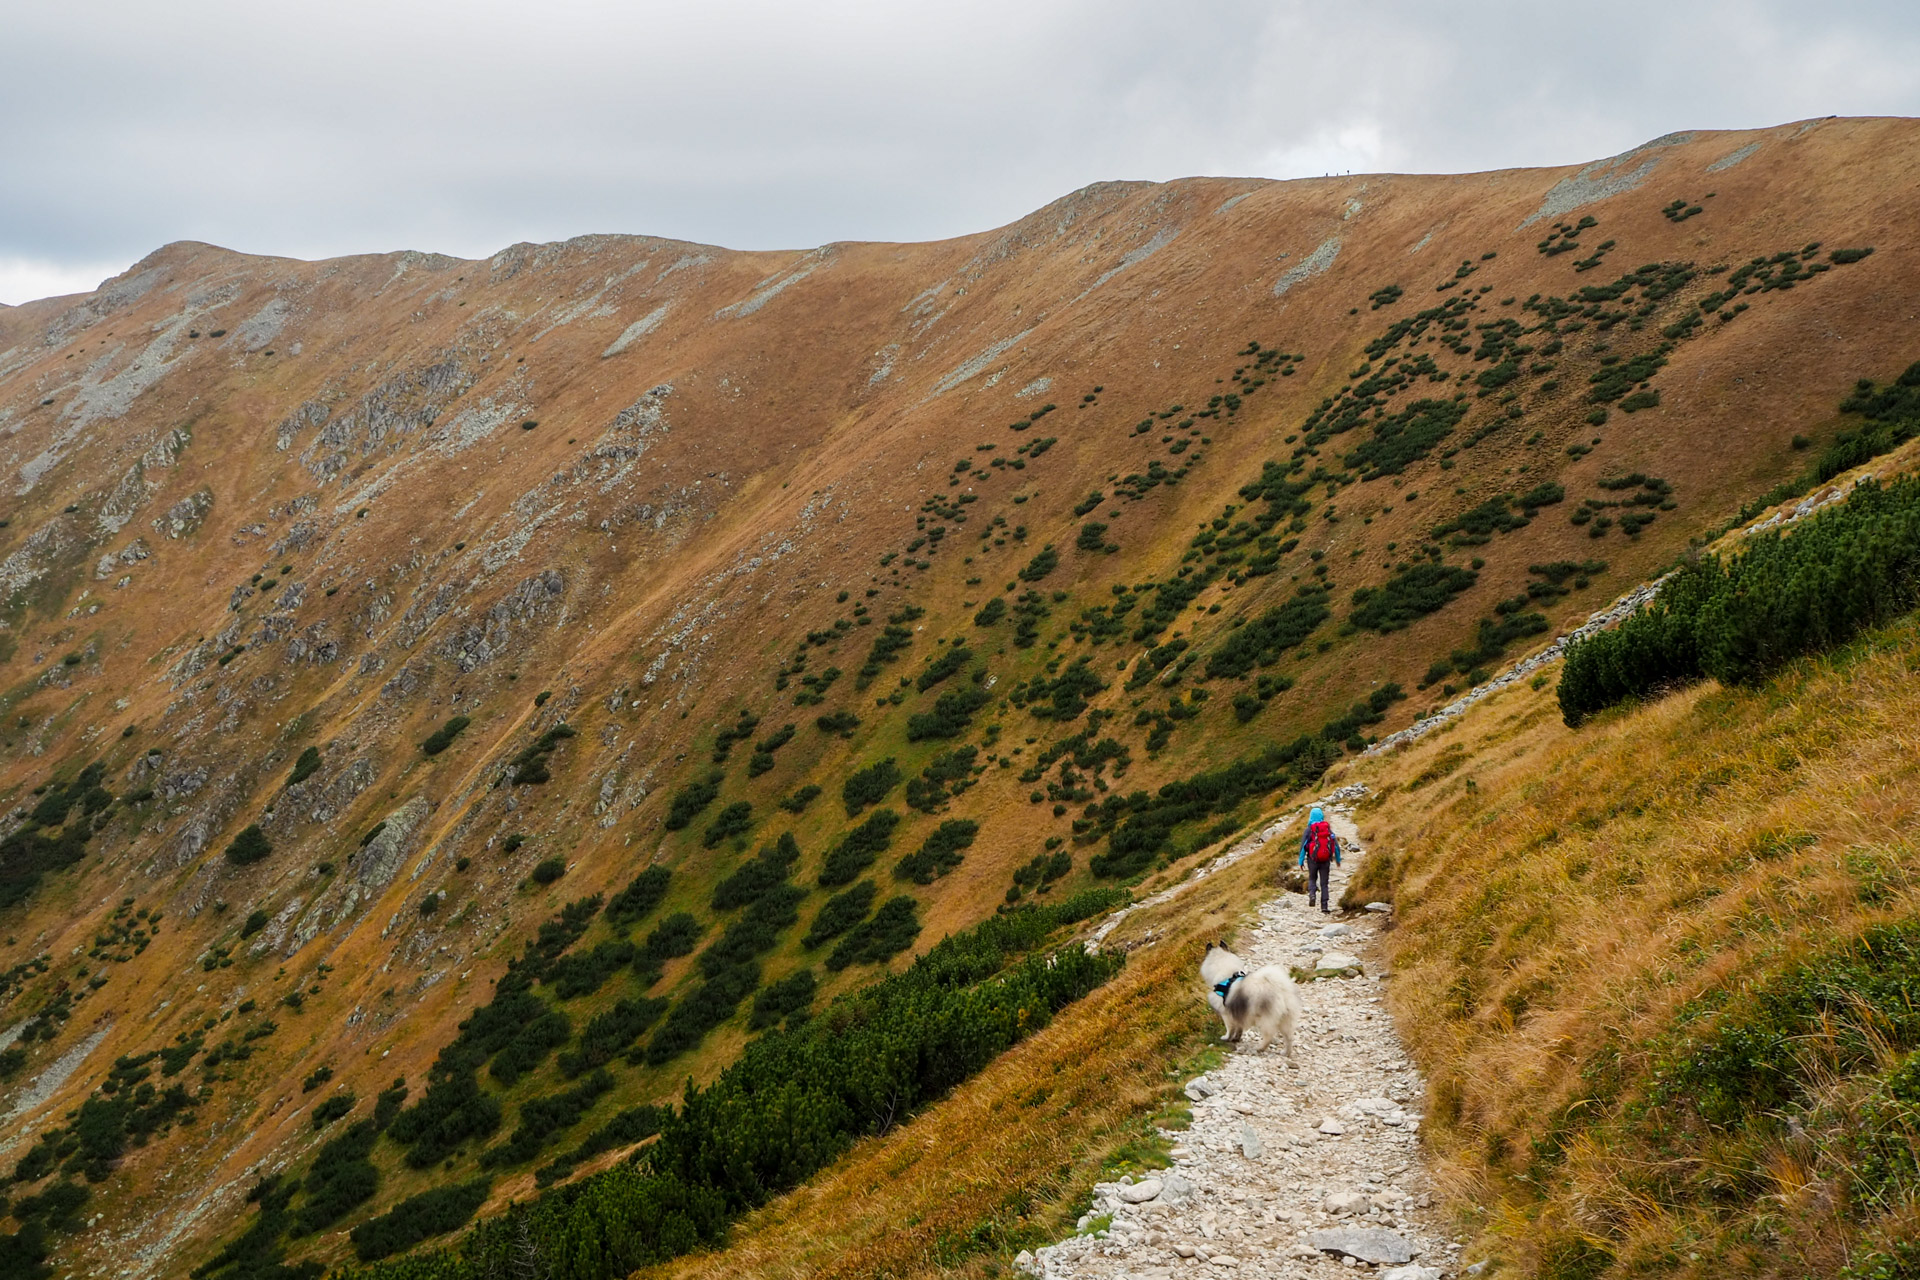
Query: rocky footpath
1287, 1171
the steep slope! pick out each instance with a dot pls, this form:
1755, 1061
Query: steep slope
606, 514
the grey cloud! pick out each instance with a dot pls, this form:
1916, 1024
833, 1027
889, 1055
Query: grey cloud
360, 126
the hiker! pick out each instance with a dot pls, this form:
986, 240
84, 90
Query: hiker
1319, 851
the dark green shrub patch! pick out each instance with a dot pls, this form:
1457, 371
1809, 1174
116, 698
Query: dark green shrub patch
758, 876
952, 714
305, 767
1384, 296
800, 799
581, 973
637, 901
1409, 595
734, 820
417, 1218
255, 922
342, 1178
1029, 611
542, 1118
1139, 827
326, 1112
1491, 641
531, 765
635, 1124
609, 1034
547, 870
840, 913
707, 1006
739, 731
1403, 438
813, 689
789, 1000
440, 739
762, 760
1092, 500
689, 800
1041, 565
840, 722
1062, 697
1849, 566
885, 934
673, 937
1265, 639
1366, 711
954, 658
529, 1046
939, 854
1093, 537
1617, 376
1040, 873
945, 776
249, 847
990, 612
756, 932
869, 786
1476, 527
858, 849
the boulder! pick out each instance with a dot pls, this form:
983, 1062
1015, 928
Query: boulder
1344, 1203
1376, 1245
1176, 1188
1335, 930
1333, 962
1332, 1127
1140, 1192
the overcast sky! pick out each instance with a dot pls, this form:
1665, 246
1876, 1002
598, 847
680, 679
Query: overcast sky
371, 125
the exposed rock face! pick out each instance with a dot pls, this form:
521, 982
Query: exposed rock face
367, 872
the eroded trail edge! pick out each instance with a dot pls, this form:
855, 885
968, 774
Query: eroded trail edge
1303, 1171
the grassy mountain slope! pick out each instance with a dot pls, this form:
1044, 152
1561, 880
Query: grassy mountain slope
653, 492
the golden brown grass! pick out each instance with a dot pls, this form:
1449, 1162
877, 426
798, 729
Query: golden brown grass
1562, 896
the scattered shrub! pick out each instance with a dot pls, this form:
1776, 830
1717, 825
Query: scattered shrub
858, 849
255, 922
840, 913
952, 714
305, 767
421, 1217
530, 766
734, 820
637, 901
888, 932
1410, 594
249, 847
869, 786
334, 1108
1041, 565
547, 870
442, 738
939, 854
689, 800
799, 800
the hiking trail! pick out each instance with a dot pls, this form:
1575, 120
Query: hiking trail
1286, 1173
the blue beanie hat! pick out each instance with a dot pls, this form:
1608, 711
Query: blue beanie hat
1316, 816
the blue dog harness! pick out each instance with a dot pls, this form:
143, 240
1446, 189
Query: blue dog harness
1221, 988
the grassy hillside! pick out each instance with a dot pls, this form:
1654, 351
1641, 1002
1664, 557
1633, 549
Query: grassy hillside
448, 705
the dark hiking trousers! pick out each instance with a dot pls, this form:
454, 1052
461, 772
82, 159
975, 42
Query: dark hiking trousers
1320, 874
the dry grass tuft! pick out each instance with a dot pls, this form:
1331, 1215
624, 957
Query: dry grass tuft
1568, 901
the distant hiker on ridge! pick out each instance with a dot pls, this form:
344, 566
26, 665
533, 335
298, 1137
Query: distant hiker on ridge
1319, 851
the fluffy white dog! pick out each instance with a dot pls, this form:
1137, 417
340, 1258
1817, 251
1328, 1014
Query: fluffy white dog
1263, 1001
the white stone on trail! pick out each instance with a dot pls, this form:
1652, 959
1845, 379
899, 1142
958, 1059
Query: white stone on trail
1273, 1206
1335, 962
1335, 930
1379, 906
1412, 1271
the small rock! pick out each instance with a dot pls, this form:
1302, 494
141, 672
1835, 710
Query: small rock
1412, 1271
1224, 1260
1177, 1187
1332, 1127
1250, 1141
1368, 1244
1184, 1250
1140, 1192
1379, 906
1023, 1261
1343, 1203
1336, 962
1335, 930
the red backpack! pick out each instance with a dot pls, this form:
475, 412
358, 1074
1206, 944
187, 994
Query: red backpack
1320, 842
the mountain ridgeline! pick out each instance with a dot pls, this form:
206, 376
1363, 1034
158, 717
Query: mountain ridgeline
533, 758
